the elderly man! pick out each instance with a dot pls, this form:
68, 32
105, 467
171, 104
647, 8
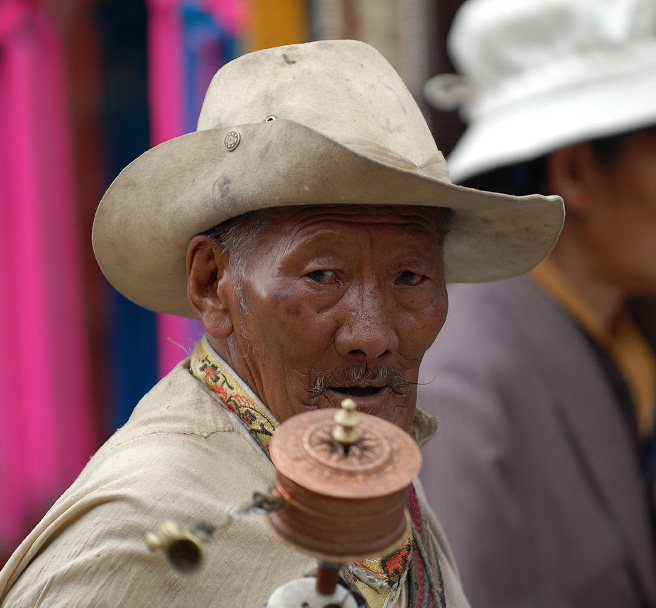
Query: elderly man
305, 224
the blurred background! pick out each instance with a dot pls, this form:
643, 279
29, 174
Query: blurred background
85, 87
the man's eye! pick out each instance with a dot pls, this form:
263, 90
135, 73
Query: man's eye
408, 277
323, 276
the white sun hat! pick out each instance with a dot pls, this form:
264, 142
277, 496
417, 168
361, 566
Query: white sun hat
536, 75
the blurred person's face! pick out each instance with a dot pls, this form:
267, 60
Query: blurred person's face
623, 215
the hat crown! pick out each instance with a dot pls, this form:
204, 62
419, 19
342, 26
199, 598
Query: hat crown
344, 89
495, 41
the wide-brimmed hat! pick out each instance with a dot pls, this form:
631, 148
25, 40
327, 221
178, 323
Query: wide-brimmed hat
537, 75
326, 122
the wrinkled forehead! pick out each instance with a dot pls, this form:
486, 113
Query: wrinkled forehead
267, 231
359, 214
288, 218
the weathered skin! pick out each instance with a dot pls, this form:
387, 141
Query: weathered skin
331, 292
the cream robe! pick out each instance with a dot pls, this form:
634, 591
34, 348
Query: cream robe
180, 457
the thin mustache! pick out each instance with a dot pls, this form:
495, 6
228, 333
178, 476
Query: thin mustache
361, 376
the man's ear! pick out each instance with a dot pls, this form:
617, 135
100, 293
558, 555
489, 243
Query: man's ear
208, 284
571, 174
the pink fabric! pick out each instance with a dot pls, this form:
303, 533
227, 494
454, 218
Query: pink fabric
166, 78
233, 14
46, 432
71, 382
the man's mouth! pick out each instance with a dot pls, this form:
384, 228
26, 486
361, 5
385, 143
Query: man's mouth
371, 388
357, 391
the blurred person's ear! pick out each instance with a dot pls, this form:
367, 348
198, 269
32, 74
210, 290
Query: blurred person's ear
571, 173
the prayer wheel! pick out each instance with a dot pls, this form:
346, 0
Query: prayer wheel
344, 478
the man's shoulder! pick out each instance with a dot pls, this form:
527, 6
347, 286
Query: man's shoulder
504, 311
178, 403
173, 460
179, 444
493, 330
501, 298
178, 432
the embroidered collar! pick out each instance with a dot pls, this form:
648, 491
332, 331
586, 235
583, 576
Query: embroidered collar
376, 579
208, 367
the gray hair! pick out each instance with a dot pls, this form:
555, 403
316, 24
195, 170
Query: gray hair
239, 237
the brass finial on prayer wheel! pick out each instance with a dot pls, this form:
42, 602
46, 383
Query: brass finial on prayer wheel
347, 419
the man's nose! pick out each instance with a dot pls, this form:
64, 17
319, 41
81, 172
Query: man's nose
367, 329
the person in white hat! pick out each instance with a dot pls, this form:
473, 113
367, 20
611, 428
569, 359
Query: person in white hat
305, 224
543, 472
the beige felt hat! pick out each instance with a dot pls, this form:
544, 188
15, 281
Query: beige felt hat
326, 122
537, 75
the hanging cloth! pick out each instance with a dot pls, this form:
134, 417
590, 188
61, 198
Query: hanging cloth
46, 435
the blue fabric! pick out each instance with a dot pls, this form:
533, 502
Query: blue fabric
207, 45
130, 355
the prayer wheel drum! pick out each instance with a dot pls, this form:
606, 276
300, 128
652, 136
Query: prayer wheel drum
344, 501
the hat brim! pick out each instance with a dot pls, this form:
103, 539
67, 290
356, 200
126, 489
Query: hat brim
539, 124
189, 184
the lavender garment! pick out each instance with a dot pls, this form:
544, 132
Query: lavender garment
534, 472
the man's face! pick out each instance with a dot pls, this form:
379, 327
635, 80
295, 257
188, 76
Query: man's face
340, 302
624, 228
